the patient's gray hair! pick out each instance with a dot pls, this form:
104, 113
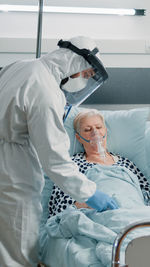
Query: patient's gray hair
83, 114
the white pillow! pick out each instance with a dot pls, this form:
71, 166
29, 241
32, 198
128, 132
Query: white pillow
125, 134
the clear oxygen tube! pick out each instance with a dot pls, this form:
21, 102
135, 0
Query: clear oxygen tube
97, 141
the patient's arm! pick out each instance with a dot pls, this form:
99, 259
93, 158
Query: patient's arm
81, 205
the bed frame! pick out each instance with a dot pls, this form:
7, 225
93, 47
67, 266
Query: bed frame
133, 247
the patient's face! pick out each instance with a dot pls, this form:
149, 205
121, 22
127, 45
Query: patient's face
89, 126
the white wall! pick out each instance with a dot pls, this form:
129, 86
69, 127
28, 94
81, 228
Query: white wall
124, 41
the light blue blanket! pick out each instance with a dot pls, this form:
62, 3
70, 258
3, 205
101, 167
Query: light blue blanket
82, 238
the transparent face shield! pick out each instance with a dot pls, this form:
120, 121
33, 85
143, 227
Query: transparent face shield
82, 89
78, 89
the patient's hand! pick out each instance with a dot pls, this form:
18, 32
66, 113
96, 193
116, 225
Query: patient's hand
81, 205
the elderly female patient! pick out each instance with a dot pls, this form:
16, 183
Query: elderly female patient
91, 132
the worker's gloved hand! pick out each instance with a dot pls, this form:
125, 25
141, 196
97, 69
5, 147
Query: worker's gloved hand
101, 201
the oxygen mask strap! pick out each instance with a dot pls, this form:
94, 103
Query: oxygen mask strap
88, 141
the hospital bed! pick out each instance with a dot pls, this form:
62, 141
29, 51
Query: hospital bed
134, 256
137, 251
136, 132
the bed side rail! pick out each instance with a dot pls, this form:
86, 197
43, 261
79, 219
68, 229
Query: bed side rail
119, 239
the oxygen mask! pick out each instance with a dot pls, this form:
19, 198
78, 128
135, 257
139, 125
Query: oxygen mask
98, 141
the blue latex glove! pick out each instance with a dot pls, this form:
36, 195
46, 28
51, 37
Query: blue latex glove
100, 201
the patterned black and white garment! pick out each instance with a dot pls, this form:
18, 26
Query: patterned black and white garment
59, 200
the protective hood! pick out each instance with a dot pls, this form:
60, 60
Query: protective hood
63, 62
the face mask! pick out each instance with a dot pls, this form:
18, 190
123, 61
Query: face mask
75, 84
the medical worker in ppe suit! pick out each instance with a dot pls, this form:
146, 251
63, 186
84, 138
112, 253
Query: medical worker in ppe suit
32, 137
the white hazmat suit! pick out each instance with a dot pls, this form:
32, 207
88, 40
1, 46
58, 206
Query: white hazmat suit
32, 135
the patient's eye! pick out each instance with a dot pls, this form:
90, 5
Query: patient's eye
99, 127
87, 129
